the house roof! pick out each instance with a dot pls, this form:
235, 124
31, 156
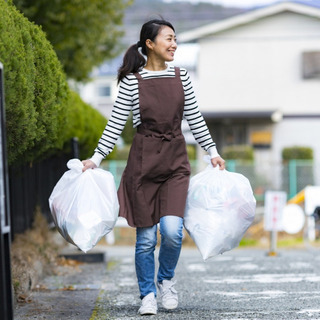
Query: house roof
270, 115
248, 17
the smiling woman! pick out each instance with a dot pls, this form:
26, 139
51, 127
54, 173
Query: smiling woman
161, 49
154, 185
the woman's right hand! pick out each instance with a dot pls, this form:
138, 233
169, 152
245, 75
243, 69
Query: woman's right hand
88, 164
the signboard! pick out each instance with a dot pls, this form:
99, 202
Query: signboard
274, 204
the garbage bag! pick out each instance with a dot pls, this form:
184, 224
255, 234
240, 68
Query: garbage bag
220, 208
84, 205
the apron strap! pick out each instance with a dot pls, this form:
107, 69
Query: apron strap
137, 75
177, 71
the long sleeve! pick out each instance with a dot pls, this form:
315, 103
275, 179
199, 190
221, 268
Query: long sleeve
195, 119
125, 102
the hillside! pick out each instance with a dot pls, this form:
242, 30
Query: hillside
183, 15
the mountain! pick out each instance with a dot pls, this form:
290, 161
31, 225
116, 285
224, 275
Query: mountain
183, 15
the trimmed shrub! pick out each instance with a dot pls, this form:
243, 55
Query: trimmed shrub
192, 152
35, 87
238, 152
297, 171
297, 153
42, 114
85, 123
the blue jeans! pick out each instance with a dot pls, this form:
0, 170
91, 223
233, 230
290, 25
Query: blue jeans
171, 240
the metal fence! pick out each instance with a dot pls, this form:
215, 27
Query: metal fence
31, 186
290, 177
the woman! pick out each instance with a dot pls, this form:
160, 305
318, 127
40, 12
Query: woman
154, 185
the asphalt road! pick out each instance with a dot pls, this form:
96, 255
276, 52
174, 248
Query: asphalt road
241, 284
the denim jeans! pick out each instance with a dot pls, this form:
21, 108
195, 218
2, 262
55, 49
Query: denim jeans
171, 240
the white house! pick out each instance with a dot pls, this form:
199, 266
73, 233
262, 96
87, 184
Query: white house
258, 79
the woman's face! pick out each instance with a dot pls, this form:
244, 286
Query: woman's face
164, 45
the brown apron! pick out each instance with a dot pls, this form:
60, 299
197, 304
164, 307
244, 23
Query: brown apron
156, 179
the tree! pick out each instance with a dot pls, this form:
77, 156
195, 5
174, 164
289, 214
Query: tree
83, 33
36, 90
42, 113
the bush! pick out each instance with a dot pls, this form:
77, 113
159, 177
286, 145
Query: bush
42, 114
85, 123
297, 153
296, 175
238, 152
192, 152
35, 87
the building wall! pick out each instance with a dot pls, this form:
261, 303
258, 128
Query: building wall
101, 100
298, 132
258, 66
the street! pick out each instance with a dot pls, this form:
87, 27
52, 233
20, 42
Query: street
241, 284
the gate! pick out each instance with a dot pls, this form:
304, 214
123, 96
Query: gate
6, 297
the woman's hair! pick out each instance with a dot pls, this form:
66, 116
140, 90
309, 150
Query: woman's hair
133, 60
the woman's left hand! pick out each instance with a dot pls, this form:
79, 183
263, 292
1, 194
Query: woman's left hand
218, 161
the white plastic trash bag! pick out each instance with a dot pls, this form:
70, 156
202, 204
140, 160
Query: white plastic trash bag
84, 205
220, 208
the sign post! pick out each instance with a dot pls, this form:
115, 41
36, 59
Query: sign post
275, 202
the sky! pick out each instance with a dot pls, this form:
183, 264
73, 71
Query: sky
240, 3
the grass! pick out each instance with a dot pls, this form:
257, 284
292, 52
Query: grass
247, 242
290, 242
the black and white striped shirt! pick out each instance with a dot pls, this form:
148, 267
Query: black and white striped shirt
128, 100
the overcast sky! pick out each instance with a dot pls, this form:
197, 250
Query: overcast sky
238, 3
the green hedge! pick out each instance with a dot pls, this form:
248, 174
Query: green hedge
35, 87
297, 153
42, 114
85, 123
238, 152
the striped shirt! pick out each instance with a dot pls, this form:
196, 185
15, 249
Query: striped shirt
128, 100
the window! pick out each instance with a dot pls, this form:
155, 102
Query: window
104, 91
311, 65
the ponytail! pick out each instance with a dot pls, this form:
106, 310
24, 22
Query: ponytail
133, 60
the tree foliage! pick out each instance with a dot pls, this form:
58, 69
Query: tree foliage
42, 114
83, 33
128, 131
85, 123
35, 86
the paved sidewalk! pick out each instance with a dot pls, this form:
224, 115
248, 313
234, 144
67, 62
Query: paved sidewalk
241, 284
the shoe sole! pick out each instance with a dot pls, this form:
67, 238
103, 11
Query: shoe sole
148, 313
170, 307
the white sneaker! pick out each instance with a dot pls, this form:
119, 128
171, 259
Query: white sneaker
148, 305
169, 294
